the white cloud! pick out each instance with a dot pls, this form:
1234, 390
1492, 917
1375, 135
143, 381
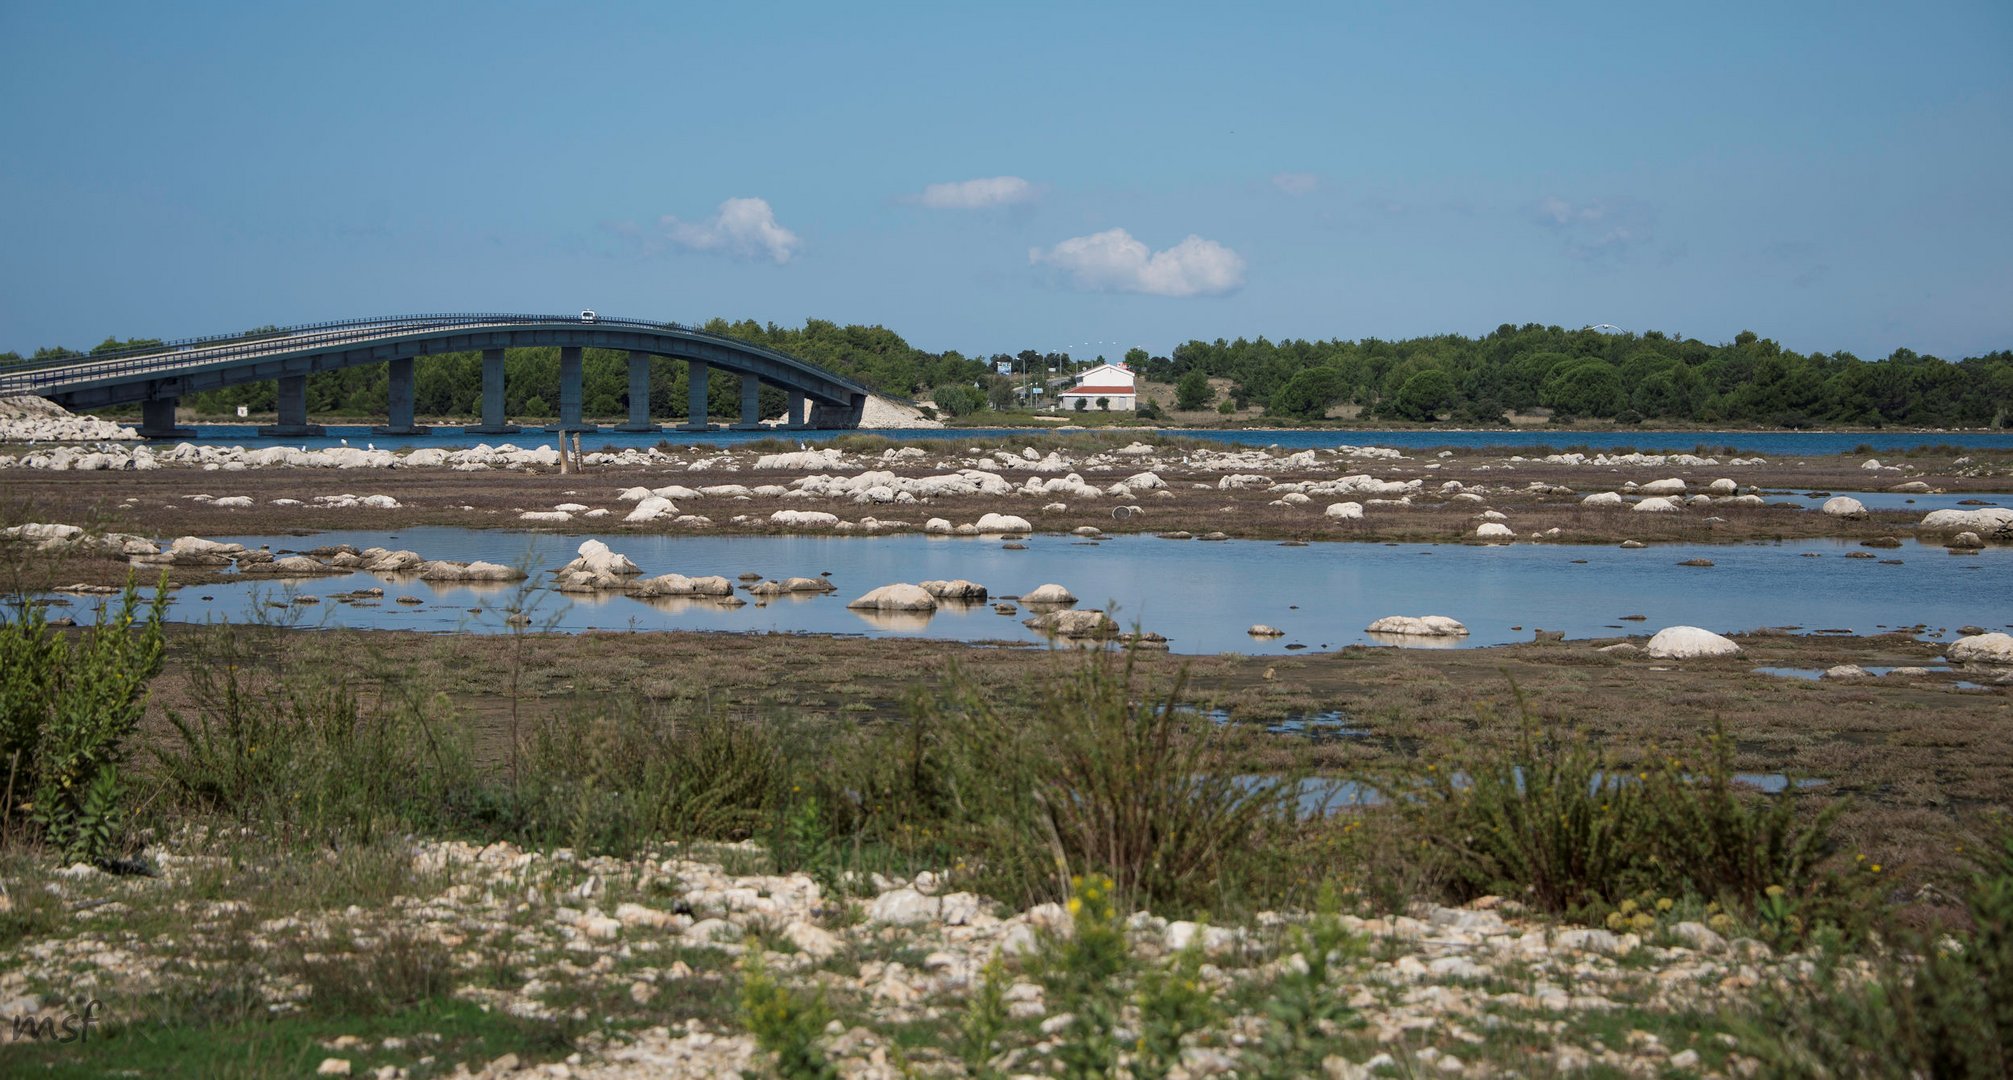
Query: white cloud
743, 227
976, 194
1112, 261
1295, 183
1597, 229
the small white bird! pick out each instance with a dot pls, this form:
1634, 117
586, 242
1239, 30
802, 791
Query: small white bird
345, 442
370, 446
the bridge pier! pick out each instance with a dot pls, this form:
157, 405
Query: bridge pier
751, 404
492, 397
157, 419
826, 416
639, 394
569, 394
399, 401
293, 409
794, 416
695, 397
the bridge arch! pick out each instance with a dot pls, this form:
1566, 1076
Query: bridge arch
158, 377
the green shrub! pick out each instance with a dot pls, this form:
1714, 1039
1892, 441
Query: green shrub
1173, 1001
1947, 1014
1565, 828
66, 708
985, 1020
787, 1024
1081, 972
1304, 1013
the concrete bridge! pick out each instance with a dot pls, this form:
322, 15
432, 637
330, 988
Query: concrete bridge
158, 377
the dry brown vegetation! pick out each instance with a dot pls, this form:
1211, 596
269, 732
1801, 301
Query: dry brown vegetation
1919, 760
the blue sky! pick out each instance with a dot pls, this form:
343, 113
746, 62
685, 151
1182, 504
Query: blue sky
998, 177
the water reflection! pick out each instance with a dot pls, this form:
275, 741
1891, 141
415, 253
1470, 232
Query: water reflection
898, 621
1201, 596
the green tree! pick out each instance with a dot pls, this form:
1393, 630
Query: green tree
1307, 394
1193, 391
1424, 396
1584, 388
961, 399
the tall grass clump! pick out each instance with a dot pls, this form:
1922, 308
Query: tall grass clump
1093, 776
632, 774
67, 706
1565, 828
320, 755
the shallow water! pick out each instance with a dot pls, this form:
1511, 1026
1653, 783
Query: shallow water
1321, 795
1770, 444
1895, 500
1202, 596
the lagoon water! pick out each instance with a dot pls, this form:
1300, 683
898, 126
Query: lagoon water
1201, 595
1770, 444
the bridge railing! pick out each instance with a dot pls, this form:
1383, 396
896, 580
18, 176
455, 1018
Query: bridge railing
33, 377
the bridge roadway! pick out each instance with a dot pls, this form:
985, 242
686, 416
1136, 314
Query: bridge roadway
158, 377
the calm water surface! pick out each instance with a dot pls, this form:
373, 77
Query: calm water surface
1202, 596
1765, 443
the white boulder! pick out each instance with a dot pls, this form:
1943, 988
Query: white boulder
1844, 506
804, 519
896, 597
650, 507
1048, 594
596, 558
1689, 643
1418, 626
1982, 649
995, 524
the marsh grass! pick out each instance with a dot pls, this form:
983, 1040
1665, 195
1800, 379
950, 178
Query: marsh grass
1566, 828
1097, 774
315, 752
613, 780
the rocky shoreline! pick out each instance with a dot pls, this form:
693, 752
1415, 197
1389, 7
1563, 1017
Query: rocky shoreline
1451, 991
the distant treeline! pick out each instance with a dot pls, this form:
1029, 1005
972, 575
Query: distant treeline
1576, 374
1592, 375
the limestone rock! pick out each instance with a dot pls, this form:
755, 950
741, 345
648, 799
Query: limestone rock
896, 597
804, 519
1048, 594
1982, 649
997, 524
444, 570
595, 557
1074, 624
1844, 506
649, 508
1418, 626
956, 589
680, 585
1688, 643
903, 907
